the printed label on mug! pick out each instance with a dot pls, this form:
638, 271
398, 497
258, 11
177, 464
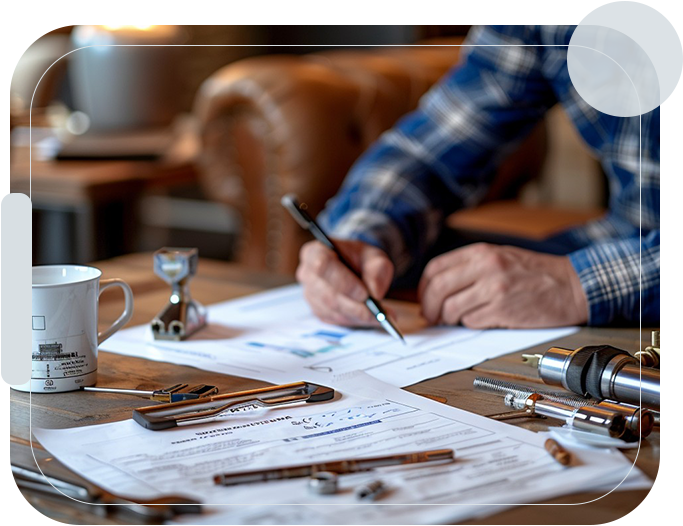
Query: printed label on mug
54, 358
64, 326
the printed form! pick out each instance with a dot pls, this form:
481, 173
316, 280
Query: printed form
496, 464
273, 336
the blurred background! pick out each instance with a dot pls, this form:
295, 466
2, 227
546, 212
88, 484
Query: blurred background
151, 136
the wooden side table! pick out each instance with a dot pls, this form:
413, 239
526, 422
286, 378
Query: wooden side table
83, 189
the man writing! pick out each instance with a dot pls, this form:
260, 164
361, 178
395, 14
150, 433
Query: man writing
390, 211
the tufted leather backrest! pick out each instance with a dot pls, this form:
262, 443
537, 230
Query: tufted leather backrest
277, 124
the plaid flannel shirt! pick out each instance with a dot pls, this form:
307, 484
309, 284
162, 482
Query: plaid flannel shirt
442, 156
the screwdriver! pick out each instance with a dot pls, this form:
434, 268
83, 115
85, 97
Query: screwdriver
167, 394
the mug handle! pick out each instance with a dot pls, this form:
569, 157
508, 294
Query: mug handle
127, 313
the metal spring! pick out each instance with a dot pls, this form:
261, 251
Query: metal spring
492, 385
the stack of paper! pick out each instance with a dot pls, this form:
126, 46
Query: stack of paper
496, 466
273, 336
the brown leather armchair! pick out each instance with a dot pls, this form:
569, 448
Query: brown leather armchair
277, 124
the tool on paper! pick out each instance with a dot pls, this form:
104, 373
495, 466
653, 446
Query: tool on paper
639, 421
589, 418
650, 356
340, 467
323, 483
560, 454
153, 511
514, 415
174, 393
182, 316
493, 385
212, 408
601, 371
371, 491
299, 212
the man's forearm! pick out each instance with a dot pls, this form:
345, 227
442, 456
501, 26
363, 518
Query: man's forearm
442, 156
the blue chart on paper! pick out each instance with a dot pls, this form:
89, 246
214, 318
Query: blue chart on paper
661, 507
311, 344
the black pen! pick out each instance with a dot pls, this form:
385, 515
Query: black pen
300, 214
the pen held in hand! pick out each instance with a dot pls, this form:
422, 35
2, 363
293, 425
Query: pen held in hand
300, 214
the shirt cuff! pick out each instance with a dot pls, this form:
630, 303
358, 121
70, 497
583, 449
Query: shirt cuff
609, 276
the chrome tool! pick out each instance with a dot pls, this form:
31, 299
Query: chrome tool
340, 467
212, 408
174, 393
639, 421
603, 372
589, 418
182, 315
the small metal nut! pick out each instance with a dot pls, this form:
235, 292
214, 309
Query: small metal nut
323, 483
528, 402
648, 358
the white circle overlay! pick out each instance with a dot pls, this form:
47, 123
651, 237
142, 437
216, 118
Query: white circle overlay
625, 59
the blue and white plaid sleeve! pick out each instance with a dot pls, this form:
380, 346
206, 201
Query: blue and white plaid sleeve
615, 283
442, 156
607, 253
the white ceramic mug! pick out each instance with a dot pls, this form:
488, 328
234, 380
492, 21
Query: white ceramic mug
65, 301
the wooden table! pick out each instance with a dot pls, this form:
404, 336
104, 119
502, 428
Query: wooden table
219, 281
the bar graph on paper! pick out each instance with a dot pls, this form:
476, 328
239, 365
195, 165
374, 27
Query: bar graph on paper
310, 345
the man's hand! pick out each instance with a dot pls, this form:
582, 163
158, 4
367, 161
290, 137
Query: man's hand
487, 286
334, 293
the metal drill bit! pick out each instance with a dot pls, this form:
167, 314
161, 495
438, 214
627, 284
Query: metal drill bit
639, 421
492, 385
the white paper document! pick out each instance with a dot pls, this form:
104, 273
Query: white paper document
274, 336
496, 464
